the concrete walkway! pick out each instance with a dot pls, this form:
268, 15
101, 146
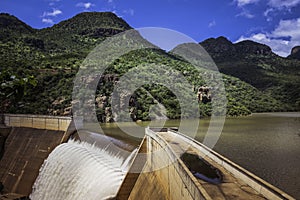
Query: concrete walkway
230, 188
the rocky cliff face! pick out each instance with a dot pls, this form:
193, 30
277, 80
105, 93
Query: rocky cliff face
221, 48
254, 48
295, 53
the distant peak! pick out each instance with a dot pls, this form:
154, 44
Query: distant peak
10, 22
218, 39
223, 39
250, 42
5, 17
5, 14
295, 50
93, 20
295, 53
222, 48
251, 47
103, 14
218, 45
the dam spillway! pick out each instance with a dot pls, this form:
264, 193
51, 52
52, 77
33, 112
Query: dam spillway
79, 170
71, 170
27, 141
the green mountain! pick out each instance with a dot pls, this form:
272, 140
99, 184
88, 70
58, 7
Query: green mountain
78, 35
52, 55
257, 65
82, 32
12, 27
38, 68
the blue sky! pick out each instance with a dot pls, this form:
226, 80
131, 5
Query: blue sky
272, 22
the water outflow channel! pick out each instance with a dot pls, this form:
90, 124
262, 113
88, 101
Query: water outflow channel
79, 170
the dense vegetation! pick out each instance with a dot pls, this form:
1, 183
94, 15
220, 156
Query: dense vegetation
38, 68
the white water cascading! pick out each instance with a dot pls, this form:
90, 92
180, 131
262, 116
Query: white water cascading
80, 171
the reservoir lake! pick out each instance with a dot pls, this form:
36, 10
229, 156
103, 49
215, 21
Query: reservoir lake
266, 144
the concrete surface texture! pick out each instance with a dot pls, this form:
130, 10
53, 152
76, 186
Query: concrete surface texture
164, 175
245, 180
25, 147
25, 151
37, 121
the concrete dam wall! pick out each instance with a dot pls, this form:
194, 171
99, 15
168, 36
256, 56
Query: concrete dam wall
164, 175
158, 171
27, 142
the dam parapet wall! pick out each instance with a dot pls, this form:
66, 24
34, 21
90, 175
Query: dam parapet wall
37, 121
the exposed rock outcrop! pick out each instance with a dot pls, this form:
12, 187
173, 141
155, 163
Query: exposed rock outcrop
295, 53
251, 47
221, 48
204, 95
219, 45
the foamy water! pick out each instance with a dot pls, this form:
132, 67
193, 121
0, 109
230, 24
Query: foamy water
79, 170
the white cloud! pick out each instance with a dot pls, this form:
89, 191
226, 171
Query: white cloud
54, 13
271, 3
85, 5
288, 28
129, 12
282, 39
47, 21
53, 2
272, 7
279, 46
245, 13
212, 23
283, 3
277, 6
116, 13
241, 3
268, 12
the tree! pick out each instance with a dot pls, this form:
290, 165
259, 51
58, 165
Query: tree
13, 88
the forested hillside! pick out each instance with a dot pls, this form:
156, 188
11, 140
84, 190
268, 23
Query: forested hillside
38, 68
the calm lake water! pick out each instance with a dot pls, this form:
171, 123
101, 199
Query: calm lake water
266, 144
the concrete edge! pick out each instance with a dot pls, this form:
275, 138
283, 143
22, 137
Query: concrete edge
37, 121
169, 150
127, 184
36, 116
261, 186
